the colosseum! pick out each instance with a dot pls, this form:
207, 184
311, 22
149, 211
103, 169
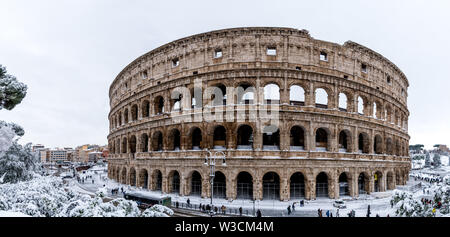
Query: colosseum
295, 117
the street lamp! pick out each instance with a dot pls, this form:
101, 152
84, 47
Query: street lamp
211, 161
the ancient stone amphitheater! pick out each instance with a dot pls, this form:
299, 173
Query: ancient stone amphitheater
296, 117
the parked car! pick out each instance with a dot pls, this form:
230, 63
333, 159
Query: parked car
339, 204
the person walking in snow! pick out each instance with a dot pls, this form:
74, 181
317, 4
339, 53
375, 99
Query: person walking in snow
258, 213
337, 213
293, 206
240, 211
328, 213
368, 211
188, 202
289, 209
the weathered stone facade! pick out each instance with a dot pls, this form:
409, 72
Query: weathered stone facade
157, 142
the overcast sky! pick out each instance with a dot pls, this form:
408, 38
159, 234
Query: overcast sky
69, 52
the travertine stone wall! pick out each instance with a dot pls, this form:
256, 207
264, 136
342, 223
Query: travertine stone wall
142, 137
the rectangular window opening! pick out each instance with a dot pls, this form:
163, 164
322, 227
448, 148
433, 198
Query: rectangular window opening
175, 62
323, 56
364, 68
218, 53
271, 51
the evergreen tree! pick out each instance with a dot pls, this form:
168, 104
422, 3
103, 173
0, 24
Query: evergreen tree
11, 91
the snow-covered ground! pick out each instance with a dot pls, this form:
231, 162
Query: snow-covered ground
379, 202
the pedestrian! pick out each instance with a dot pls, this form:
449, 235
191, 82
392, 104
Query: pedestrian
434, 211
377, 215
177, 204
318, 212
223, 209
240, 211
353, 213
293, 206
331, 214
188, 202
328, 213
216, 209
368, 211
289, 209
258, 213
302, 202
337, 213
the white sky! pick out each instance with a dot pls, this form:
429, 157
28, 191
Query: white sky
69, 52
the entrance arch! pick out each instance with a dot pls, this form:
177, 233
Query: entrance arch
244, 187
143, 179
271, 186
297, 139
220, 185
174, 182
196, 184
322, 185
220, 137
297, 186
363, 183
343, 185
245, 137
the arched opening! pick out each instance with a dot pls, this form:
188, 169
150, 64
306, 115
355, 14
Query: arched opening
196, 184
322, 185
196, 139
244, 187
118, 146
220, 185
245, 137
343, 185
272, 94
220, 137
133, 144
321, 140
271, 138
377, 144
219, 95
271, 186
123, 178
196, 98
297, 95
377, 178
297, 186
144, 142
157, 179
397, 147
125, 116
143, 179
398, 178
363, 183
120, 119
159, 105
390, 181
321, 98
175, 140
124, 145
174, 182
360, 105
145, 108
297, 138
132, 177
176, 100
363, 143
345, 141
342, 102
245, 94
134, 112
157, 141
389, 146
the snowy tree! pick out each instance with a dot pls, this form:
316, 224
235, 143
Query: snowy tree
436, 160
11, 91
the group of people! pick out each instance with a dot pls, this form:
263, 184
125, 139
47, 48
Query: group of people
115, 191
329, 213
291, 208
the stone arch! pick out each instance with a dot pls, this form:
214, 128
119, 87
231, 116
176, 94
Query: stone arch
195, 141
133, 176
145, 108
125, 116
134, 112
389, 146
321, 98
244, 185
124, 145
118, 146
271, 138
343, 102
297, 95
322, 183
297, 138
363, 143
363, 183
143, 178
378, 144
390, 181
157, 141
272, 93
174, 182
344, 184
123, 176
220, 185
345, 141
219, 137
297, 185
245, 93
157, 180
144, 142
245, 137
271, 186
132, 144
174, 139
158, 105
196, 183
322, 138
378, 181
